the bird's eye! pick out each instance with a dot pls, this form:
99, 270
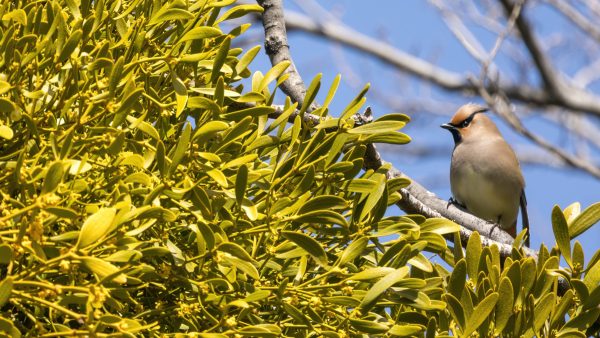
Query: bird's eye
465, 123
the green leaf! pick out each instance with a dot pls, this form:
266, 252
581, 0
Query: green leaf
458, 278
219, 60
561, 233
372, 273
6, 254
242, 160
124, 256
70, 45
389, 138
62, 212
208, 130
394, 117
6, 105
355, 104
202, 32
6, 132
308, 244
241, 181
504, 307
135, 160
204, 103
353, 250
362, 185
181, 95
170, 14
6, 287
17, 15
95, 227
273, 74
587, 218
311, 93
382, 286
456, 310
473, 254
53, 177
296, 314
104, 269
583, 320
542, 311
239, 11
182, 147
480, 313
440, 226
332, 90
246, 59
253, 112
128, 102
218, 176
237, 251
369, 326
377, 127
405, 330
323, 202
322, 217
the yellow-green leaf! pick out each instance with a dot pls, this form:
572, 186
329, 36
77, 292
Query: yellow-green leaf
6, 132
103, 269
381, 286
95, 227
6, 287
561, 233
308, 244
202, 32
583, 221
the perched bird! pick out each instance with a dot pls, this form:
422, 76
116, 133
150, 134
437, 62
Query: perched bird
485, 176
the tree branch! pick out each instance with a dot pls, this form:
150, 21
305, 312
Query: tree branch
278, 49
576, 100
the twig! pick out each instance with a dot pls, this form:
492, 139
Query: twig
551, 80
577, 18
574, 99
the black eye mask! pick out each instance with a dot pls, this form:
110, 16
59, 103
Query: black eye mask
453, 128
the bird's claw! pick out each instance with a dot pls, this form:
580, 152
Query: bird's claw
452, 201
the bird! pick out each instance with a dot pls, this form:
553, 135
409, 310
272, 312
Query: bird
485, 176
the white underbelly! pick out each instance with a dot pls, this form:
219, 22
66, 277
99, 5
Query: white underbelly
486, 198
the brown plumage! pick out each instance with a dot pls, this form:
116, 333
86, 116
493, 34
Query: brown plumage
485, 176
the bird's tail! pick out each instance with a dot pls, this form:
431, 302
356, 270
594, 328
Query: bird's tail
524, 216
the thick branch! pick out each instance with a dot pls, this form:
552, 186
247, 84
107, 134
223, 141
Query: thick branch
278, 49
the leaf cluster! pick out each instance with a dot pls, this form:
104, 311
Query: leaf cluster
146, 192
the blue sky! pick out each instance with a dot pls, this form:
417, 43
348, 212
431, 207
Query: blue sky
416, 27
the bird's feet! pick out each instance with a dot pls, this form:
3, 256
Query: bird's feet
452, 201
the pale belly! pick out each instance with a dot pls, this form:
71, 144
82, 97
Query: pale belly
488, 199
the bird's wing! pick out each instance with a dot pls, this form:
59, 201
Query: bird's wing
524, 216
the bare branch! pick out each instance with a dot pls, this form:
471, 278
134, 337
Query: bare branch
576, 100
551, 80
278, 49
577, 18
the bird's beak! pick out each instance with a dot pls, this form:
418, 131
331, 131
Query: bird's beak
448, 126
454, 131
